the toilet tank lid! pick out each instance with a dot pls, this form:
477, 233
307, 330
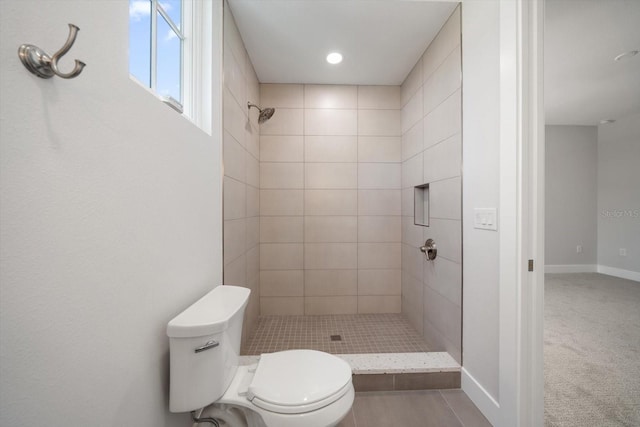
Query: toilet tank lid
210, 314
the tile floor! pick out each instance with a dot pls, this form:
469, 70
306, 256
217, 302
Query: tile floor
429, 408
359, 333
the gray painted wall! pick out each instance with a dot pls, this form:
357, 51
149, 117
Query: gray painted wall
481, 166
111, 224
619, 193
571, 194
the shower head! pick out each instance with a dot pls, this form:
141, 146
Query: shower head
265, 114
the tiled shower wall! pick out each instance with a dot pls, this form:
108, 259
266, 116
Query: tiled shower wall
241, 156
431, 153
330, 224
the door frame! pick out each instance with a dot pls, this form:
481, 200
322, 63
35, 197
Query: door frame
521, 382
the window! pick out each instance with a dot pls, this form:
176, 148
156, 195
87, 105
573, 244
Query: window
170, 52
156, 42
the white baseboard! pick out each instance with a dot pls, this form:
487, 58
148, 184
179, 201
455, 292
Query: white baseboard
619, 272
481, 398
571, 268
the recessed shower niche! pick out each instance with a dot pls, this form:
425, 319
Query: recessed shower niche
421, 205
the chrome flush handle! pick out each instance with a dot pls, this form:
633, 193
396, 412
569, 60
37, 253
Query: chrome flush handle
207, 346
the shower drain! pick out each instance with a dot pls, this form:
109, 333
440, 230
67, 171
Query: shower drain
336, 337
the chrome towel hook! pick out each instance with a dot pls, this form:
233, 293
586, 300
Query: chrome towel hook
42, 65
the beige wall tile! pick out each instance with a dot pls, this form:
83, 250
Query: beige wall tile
443, 160
446, 40
234, 117
281, 229
379, 255
282, 306
413, 262
379, 97
330, 305
411, 233
443, 82
412, 112
445, 199
253, 86
444, 277
445, 317
234, 239
281, 148
379, 123
235, 272
281, 202
379, 282
233, 40
234, 158
330, 282
252, 170
330, 96
235, 199
412, 170
379, 202
379, 228
252, 232
412, 300
281, 175
330, 122
281, 256
412, 83
253, 265
444, 121
408, 194
330, 149
448, 236
281, 95
330, 229
253, 201
379, 149
330, 175
281, 279
234, 77
281, 283
331, 202
318, 256
412, 141
379, 304
285, 121
252, 139
380, 176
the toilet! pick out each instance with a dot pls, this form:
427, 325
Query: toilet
292, 388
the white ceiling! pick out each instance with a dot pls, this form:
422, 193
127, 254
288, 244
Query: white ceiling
583, 84
288, 40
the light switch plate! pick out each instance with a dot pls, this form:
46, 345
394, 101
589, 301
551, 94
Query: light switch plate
485, 218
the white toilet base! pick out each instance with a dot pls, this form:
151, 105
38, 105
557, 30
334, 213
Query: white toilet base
231, 402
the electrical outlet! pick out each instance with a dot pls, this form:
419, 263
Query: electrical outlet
579, 249
623, 252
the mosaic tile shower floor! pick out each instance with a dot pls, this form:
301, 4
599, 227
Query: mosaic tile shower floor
359, 333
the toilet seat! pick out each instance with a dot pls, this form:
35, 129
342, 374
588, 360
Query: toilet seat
298, 381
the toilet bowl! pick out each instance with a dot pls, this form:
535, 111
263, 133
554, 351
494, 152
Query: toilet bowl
292, 388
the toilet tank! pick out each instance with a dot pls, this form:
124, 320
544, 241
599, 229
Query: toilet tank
204, 348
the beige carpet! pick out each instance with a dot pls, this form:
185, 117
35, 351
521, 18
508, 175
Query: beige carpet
591, 351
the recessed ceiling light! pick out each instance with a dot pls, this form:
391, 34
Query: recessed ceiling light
607, 121
626, 55
334, 58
